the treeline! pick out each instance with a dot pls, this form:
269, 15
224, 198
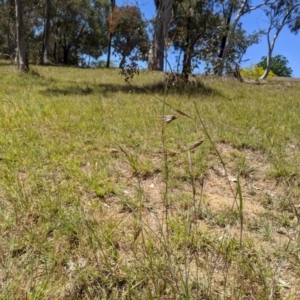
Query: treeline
211, 31
71, 31
200, 31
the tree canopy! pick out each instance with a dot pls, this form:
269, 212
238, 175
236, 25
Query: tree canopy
207, 32
279, 65
129, 33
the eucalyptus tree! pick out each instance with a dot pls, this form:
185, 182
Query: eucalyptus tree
8, 23
211, 31
279, 14
294, 23
45, 57
200, 29
161, 24
70, 27
8, 37
190, 26
54, 30
74, 29
129, 33
235, 9
22, 51
110, 34
95, 42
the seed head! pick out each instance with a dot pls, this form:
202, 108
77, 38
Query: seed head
169, 118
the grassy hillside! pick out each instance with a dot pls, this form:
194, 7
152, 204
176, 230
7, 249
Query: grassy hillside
108, 192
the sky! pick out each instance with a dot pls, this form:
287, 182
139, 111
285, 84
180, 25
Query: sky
287, 43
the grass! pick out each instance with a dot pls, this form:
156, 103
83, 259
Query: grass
101, 199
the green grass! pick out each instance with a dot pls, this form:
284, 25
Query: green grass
102, 200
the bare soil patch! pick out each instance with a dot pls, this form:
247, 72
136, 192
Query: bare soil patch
216, 190
214, 208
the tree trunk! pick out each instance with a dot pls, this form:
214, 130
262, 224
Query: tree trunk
156, 54
224, 38
269, 56
278, 26
55, 53
22, 52
163, 17
109, 50
187, 57
187, 65
110, 36
268, 68
242, 10
66, 54
122, 62
10, 41
46, 43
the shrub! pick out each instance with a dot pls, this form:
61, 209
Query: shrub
255, 72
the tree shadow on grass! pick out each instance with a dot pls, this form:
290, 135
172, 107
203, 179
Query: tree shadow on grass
192, 88
71, 90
